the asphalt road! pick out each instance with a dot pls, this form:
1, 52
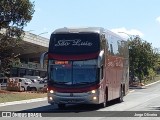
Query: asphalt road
137, 103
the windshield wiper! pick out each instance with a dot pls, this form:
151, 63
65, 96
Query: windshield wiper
83, 82
67, 83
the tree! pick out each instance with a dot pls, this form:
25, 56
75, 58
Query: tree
14, 15
142, 58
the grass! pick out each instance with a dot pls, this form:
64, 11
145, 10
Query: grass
17, 96
148, 81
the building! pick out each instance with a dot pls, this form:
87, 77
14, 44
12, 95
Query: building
30, 50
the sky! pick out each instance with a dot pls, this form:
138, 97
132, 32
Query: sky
132, 17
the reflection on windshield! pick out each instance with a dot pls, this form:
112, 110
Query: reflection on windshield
60, 74
84, 74
76, 72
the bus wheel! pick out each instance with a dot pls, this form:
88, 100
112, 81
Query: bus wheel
61, 106
104, 104
120, 99
52, 104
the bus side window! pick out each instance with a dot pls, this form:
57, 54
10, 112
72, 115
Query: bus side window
101, 72
111, 49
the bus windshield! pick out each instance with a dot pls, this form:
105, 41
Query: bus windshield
73, 72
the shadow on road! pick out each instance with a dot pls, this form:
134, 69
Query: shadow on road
155, 108
81, 110
67, 109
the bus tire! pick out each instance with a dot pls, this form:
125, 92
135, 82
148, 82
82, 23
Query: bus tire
52, 104
124, 90
61, 106
104, 104
120, 99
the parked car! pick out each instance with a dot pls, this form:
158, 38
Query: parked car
3, 83
24, 82
34, 80
37, 85
33, 77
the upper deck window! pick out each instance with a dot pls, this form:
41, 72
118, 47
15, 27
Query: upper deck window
74, 43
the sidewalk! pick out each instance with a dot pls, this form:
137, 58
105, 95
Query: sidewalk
23, 101
143, 87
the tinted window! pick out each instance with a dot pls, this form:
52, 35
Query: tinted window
114, 43
22, 72
5, 81
73, 72
74, 43
1, 80
14, 72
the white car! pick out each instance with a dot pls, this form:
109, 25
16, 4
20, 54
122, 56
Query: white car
37, 85
24, 82
33, 77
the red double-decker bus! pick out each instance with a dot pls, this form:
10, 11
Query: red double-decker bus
86, 66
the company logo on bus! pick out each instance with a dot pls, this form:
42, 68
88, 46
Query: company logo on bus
76, 42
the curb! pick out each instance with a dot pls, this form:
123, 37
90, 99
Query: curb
130, 91
137, 87
23, 101
143, 87
35, 92
152, 83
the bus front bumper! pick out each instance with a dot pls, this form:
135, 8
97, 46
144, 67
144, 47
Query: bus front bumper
73, 98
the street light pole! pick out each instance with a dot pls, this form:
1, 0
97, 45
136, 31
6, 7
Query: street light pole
125, 33
29, 31
42, 33
131, 37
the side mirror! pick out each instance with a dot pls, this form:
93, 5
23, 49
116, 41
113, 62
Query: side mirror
42, 59
100, 58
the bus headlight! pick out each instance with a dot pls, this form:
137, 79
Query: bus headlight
93, 91
51, 91
50, 98
94, 98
